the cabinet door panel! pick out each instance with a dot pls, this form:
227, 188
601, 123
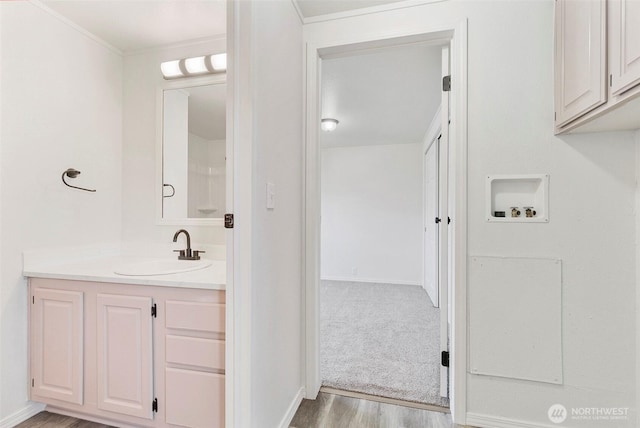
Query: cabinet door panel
57, 344
580, 58
194, 399
124, 349
624, 44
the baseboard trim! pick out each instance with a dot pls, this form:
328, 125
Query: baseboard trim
486, 421
30, 410
293, 408
369, 280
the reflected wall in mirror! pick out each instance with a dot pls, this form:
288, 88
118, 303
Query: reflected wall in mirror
193, 147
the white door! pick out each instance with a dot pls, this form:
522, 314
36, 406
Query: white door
443, 208
431, 228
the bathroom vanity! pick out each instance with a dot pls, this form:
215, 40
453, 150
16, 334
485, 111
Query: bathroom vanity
143, 351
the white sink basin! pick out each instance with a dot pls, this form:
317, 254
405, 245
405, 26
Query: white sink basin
160, 267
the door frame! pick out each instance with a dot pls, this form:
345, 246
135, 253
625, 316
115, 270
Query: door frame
456, 34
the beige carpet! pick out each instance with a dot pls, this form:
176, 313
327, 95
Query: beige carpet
380, 339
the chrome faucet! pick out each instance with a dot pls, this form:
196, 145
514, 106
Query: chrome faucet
187, 253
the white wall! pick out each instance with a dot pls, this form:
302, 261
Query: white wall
61, 107
372, 213
142, 79
268, 139
276, 320
592, 220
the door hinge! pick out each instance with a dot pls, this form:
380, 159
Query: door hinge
446, 83
228, 221
437, 220
33, 299
154, 405
448, 220
154, 311
445, 359
611, 80
33, 382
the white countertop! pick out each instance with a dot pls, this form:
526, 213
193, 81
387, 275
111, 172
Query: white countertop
98, 266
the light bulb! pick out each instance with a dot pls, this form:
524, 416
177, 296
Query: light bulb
218, 62
171, 69
328, 125
195, 65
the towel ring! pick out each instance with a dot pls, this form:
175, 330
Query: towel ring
73, 173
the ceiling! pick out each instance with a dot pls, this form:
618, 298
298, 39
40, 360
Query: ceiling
381, 97
386, 96
311, 8
132, 25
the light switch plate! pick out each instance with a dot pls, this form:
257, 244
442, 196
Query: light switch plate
271, 196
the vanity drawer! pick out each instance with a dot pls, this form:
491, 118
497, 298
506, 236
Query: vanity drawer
209, 317
194, 351
194, 399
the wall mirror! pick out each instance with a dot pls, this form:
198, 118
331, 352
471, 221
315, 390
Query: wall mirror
191, 151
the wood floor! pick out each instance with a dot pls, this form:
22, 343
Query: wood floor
336, 411
328, 411
51, 420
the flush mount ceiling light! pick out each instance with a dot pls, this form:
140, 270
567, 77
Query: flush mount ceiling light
195, 66
328, 125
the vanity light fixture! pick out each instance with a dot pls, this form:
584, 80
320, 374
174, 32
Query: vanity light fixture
328, 125
187, 67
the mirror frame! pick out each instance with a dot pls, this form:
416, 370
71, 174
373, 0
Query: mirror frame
190, 82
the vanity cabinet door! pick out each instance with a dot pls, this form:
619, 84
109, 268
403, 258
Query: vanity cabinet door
124, 350
57, 345
580, 58
624, 44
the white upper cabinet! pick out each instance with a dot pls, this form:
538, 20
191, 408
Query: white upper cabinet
624, 44
597, 65
580, 58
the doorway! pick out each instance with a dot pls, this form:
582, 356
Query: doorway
379, 332
316, 54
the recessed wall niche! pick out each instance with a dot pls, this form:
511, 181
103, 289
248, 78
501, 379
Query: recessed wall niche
517, 198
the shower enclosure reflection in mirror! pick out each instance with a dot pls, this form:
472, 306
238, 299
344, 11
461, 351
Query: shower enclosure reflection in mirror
191, 144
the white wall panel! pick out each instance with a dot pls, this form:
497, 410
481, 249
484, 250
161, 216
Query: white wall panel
274, 122
515, 317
